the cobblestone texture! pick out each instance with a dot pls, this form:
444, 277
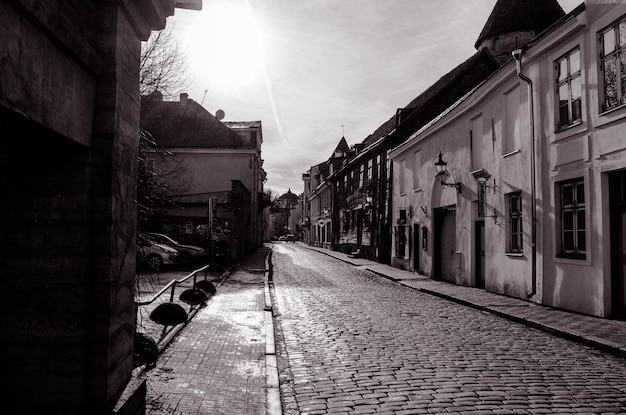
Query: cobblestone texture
357, 343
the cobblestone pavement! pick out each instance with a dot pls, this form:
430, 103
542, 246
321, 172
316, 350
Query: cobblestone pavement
216, 364
357, 343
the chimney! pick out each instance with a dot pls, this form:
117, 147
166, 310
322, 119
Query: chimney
183, 98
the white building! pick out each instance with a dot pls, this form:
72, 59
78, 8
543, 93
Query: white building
538, 151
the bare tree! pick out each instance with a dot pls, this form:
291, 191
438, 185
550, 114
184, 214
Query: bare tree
163, 68
163, 65
160, 175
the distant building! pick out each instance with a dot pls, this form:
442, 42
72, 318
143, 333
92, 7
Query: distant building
317, 218
286, 215
217, 160
362, 205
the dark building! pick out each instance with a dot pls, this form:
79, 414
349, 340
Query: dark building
69, 108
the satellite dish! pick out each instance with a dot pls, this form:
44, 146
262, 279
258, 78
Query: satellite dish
219, 114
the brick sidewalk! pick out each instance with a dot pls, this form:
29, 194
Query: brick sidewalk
217, 363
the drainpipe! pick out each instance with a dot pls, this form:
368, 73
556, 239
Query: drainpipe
517, 55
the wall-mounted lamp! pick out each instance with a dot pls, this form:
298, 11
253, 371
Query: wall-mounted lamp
482, 176
442, 172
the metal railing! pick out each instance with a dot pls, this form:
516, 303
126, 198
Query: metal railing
172, 285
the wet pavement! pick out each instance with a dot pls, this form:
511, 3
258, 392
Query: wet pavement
217, 362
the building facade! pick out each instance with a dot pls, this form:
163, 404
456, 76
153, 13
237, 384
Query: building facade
363, 185
531, 201
213, 160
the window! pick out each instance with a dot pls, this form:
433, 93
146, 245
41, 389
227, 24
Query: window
613, 65
402, 217
361, 176
515, 222
351, 189
417, 164
368, 175
573, 225
511, 140
568, 89
401, 173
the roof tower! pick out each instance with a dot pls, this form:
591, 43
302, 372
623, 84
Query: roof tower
513, 23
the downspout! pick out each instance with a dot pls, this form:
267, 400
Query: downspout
517, 55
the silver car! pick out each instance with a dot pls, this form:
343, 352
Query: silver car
187, 253
153, 255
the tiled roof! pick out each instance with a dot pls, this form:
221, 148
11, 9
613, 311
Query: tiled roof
185, 125
517, 15
441, 94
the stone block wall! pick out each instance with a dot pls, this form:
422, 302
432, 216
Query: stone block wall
69, 107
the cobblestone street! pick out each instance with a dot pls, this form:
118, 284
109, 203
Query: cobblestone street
358, 343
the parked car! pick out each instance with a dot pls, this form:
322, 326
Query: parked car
153, 255
290, 238
282, 238
187, 253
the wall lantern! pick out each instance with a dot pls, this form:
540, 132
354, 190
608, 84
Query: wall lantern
442, 172
482, 176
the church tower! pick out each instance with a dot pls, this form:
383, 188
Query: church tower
513, 23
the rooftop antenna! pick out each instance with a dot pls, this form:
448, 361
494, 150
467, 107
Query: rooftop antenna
343, 132
204, 96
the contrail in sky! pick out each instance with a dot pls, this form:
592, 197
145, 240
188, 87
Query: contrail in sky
268, 83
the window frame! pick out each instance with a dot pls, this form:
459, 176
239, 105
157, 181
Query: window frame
362, 175
567, 81
417, 163
515, 231
402, 177
618, 54
570, 229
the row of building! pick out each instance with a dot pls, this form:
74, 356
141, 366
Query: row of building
507, 174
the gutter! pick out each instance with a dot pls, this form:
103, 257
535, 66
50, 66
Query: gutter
517, 55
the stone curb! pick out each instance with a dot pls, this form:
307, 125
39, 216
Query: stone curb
273, 403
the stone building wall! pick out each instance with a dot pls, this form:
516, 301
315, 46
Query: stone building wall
69, 108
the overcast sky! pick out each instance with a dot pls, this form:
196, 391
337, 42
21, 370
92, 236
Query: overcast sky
314, 70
